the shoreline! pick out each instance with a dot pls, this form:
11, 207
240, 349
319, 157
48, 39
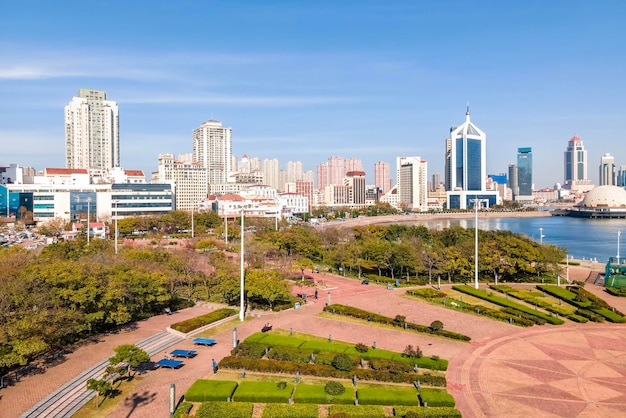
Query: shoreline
399, 219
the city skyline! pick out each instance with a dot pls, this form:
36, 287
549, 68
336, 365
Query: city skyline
379, 81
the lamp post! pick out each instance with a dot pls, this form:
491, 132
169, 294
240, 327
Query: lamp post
88, 219
115, 227
241, 311
477, 202
567, 267
541, 236
618, 235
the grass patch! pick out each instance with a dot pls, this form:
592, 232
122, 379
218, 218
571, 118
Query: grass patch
306, 393
210, 390
436, 397
418, 412
281, 340
264, 392
122, 388
389, 396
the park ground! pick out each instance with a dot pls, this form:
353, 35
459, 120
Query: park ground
542, 371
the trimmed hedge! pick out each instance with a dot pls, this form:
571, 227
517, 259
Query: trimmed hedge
246, 349
316, 394
436, 397
388, 396
210, 390
360, 411
370, 316
619, 292
273, 410
458, 305
262, 392
489, 297
587, 301
289, 367
190, 324
225, 410
438, 412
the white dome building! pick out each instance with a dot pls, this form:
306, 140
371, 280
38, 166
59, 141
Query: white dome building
602, 202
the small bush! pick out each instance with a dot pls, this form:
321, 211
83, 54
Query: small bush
334, 388
436, 326
361, 348
342, 362
411, 352
281, 385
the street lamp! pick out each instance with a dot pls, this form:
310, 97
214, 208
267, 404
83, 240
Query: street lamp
115, 226
618, 235
88, 219
241, 311
477, 202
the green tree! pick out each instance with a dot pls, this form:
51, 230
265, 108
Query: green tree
101, 387
129, 354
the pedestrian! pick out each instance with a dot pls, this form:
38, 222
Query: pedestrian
214, 363
315, 293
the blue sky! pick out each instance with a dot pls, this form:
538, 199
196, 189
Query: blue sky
304, 80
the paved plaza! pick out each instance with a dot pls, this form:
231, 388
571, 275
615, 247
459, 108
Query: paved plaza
569, 370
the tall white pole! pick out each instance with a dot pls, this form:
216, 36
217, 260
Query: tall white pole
116, 227
88, 219
567, 267
241, 312
476, 243
618, 234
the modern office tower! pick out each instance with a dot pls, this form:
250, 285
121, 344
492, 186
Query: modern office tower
436, 181
512, 181
355, 180
621, 176
271, 173
353, 164
188, 180
92, 138
607, 170
524, 173
382, 179
576, 166
466, 166
412, 183
213, 150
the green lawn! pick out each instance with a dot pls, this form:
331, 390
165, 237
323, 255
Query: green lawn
262, 392
210, 390
306, 393
398, 395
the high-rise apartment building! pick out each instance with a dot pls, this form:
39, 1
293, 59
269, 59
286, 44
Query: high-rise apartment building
355, 180
382, 178
524, 174
336, 170
213, 150
188, 180
412, 186
92, 139
271, 173
607, 170
436, 181
353, 164
466, 166
621, 176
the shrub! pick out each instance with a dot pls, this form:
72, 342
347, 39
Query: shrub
389, 396
246, 349
281, 385
439, 412
210, 390
436, 326
183, 409
361, 411
334, 388
361, 348
290, 411
262, 392
411, 352
399, 319
342, 362
225, 410
436, 397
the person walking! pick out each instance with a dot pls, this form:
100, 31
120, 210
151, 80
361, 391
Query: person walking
214, 363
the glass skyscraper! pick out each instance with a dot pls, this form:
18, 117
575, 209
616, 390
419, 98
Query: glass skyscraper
524, 171
466, 167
